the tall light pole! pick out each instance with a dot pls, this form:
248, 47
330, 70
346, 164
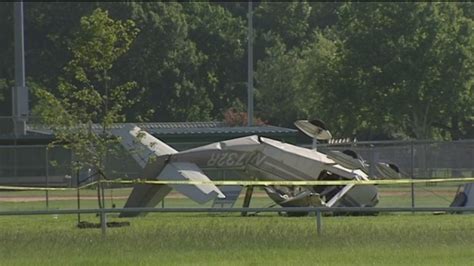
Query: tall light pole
20, 92
250, 68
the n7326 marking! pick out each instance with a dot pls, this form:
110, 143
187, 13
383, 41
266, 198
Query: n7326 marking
234, 159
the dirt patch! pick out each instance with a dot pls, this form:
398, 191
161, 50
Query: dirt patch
417, 193
54, 198
13, 198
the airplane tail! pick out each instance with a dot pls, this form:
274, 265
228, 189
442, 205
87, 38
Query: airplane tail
141, 144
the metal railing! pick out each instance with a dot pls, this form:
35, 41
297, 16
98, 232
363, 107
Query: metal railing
318, 211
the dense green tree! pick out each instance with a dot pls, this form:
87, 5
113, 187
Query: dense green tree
286, 21
279, 86
323, 15
384, 69
221, 38
48, 27
187, 60
6, 57
165, 63
408, 70
182, 75
301, 82
375, 70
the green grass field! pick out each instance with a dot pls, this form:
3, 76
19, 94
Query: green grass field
228, 239
194, 239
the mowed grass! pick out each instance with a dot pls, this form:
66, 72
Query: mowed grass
201, 239
228, 239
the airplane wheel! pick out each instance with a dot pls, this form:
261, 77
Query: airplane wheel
394, 167
351, 153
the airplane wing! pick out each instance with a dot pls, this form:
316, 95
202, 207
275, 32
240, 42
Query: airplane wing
184, 171
144, 195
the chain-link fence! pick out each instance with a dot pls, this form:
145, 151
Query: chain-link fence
417, 159
38, 164
34, 165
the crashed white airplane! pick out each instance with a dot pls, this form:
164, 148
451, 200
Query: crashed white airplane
253, 156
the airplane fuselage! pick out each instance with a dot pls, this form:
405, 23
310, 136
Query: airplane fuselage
251, 157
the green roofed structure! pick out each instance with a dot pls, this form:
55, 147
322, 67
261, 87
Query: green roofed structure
181, 134
25, 157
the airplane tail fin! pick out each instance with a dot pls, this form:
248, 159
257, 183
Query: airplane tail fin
141, 144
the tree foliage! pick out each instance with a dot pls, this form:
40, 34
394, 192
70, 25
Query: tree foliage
378, 72
86, 93
409, 68
374, 70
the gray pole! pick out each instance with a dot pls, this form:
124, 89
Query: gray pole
371, 162
47, 176
250, 68
20, 92
319, 223
248, 197
412, 173
78, 193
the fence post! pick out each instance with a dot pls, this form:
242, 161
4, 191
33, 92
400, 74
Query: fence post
248, 197
103, 221
47, 176
412, 173
371, 162
318, 222
78, 193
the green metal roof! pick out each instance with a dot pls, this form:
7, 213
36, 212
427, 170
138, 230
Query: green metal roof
179, 135
165, 128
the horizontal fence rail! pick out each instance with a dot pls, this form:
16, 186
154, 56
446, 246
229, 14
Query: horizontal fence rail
316, 210
252, 183
230, 210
